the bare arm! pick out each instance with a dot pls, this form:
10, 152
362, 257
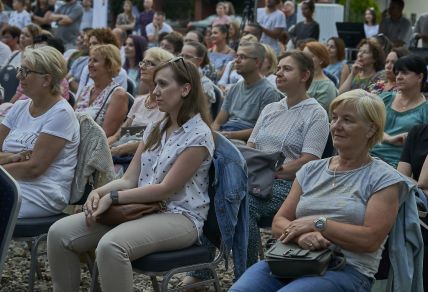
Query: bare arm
274, 33
289, 169
61, 19
423, 177
116, 112
344, 74
116, 135
125, 149
243, 135
221, 118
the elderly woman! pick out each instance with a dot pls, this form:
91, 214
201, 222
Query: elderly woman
105, 101
322, 88
145, 108
39, 137
302, 141
180, 179
405, 108
370, 60
349, 200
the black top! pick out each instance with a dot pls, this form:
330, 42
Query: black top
303, 31
41, 13
416, 149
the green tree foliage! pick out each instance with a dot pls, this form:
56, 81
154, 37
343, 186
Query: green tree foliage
358, 7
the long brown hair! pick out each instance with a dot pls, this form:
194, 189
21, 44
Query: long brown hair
194, 103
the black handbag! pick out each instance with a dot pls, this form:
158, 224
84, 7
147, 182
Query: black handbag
288, 260
261, 170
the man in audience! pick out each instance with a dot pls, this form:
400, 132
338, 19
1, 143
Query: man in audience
146, 16
88, 14
154, 29
253, 29
272, 23
68, 18
247, 98
19, 17
395, 26
421, 29
10, 36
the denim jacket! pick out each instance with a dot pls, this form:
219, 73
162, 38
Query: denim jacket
406, 248
231, 200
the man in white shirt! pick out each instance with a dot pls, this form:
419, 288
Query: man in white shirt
155, 28
421, 29
272, 22
19, 17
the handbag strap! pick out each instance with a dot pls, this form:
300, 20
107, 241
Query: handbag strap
105, 101
338, 261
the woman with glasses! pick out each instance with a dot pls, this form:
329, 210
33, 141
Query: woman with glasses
135, 46
104, 100
170, 165
40, 136
145, 109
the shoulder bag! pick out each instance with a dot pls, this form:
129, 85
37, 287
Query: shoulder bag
261, 170
288, 260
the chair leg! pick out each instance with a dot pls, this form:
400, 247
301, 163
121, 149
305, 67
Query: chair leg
216, 280
95, 286
261, 253
155, 283
34, 261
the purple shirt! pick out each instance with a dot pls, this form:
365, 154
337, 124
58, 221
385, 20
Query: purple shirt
146, 17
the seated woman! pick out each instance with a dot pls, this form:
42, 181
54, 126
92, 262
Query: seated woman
370, 60
180, 179
349, 200
135, 46
405, 108
105, 101
302, 141
338, 66
220, 53
388, 82
145, 108
45, 128
322, 88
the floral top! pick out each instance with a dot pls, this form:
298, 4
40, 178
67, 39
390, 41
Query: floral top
358, 83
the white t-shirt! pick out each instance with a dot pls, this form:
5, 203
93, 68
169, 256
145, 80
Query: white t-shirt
51, 190
85, 80
151, 31
20, 19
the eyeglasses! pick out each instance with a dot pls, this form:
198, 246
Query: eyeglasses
180, 58
188, 57
146, 64
244, 57
23, 72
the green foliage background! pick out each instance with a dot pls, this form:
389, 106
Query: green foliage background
358, 7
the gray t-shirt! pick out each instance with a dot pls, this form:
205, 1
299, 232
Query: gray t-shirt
346, 202
69, 33
271, 21
245, 103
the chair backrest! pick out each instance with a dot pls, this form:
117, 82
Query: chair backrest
211, 228
10, 202
9, 82
72, 98
131, 100
215, 107
130, 86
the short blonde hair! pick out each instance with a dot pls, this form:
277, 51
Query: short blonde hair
271, 56
47, 60
249, 38
369, 107
111, 56
158, 54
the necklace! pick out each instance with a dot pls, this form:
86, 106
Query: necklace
410, 104
335, 169
150, 104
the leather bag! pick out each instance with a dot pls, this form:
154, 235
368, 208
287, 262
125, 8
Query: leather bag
288, 260
117, 214
261, 170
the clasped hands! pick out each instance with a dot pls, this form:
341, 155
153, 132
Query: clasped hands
95, 205
301, 231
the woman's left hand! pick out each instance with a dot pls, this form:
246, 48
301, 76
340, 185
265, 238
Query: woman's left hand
104, 203
297, 228
313, 241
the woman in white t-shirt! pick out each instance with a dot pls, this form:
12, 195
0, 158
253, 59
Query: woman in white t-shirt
40, 136
371, 28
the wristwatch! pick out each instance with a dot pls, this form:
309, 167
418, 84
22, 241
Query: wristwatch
114, 196
320, 224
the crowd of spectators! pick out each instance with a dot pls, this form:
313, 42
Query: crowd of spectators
157, 95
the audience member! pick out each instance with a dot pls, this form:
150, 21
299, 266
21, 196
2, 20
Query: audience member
395, 26
338, 66
322, 88
308, 28
135, 47
269, 65
88, 15
246, 99
156, 27
5, 54
318, 213
181, 181
39, 137
4, 18
405, 108
388, 83
383, 41
371, 28
10, 36
233, 35
68, 18
19, 17
126, 20
272, 22
28, 33
220, 53
222, 17
146, 16
365, 70
121, 37
289, 11
303, 140
41, 12
253, 29
421, 29
79, 64
172, 42
104, 100
194, 36
145, 108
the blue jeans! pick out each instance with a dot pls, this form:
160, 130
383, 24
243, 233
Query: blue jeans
258, 278
234, 126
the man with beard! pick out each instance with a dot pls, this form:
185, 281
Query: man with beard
272, 23
68, 18
247, 98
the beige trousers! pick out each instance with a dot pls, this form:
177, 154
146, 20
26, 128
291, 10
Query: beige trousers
115, 247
